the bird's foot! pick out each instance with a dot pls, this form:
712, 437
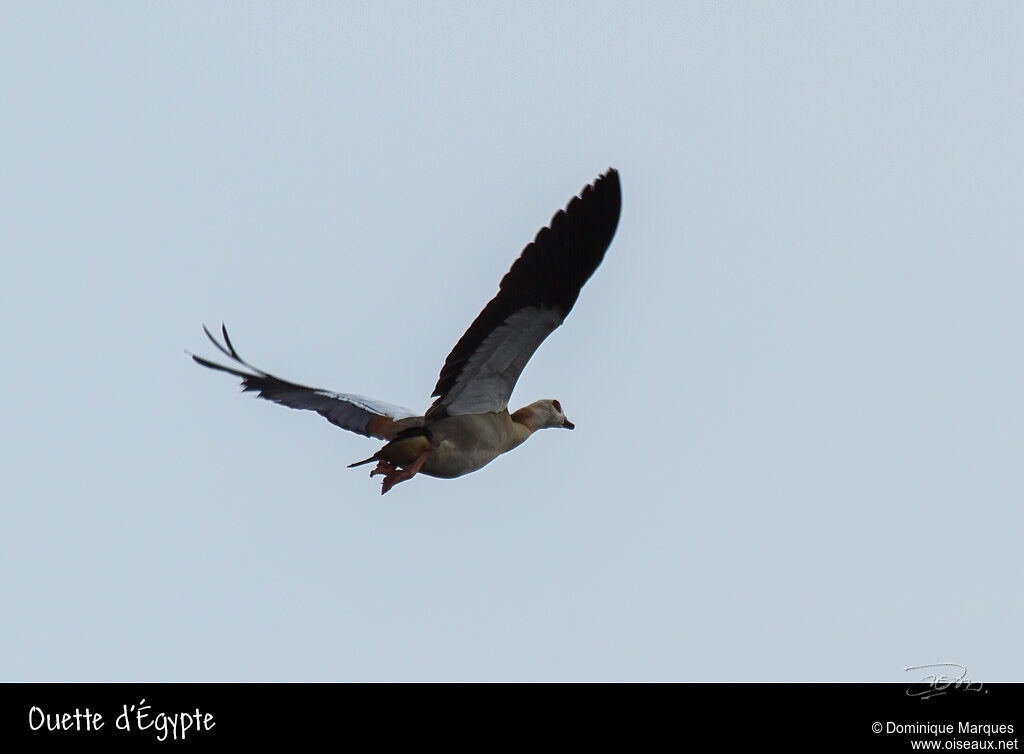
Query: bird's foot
394, 478
383, 467
400, 475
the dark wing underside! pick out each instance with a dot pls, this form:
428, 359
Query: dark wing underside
533, 299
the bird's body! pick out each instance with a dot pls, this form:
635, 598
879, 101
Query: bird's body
469, 424
457, 445
462, 444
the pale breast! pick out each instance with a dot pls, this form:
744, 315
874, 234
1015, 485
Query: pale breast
466, 443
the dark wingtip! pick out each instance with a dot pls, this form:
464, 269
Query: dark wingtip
611, 175
216, 342
227, 347
227, 341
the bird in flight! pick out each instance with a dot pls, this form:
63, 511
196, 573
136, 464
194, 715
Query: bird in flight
469, 424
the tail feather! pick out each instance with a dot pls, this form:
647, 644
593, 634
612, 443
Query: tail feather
407, 446
371, 459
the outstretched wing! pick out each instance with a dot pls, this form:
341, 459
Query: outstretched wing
533, 299
352, 412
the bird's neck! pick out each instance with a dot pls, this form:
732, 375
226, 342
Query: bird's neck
524, 423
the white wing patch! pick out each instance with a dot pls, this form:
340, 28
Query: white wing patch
486, 382
369, 404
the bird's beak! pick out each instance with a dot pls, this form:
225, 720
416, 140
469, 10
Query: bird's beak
568, 424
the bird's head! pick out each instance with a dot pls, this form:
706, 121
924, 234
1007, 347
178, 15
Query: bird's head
543, 414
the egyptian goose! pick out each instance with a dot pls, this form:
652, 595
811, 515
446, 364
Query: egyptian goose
469, 425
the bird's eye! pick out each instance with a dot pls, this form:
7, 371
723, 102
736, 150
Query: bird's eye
558, 406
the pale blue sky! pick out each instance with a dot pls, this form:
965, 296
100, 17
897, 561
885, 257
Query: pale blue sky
796, 379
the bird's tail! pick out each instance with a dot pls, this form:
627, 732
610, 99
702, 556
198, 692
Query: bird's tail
407, 446
371, 459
